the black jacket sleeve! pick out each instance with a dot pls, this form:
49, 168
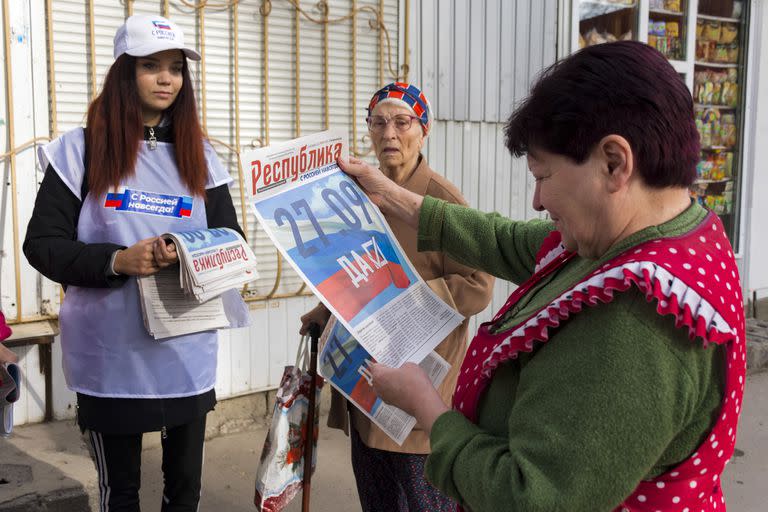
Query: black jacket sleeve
219, 209
50, 245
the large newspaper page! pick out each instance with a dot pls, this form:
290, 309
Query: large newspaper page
341, 246
344, 363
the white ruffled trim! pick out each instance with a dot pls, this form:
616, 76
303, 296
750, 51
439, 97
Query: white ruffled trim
649, 275
550, 257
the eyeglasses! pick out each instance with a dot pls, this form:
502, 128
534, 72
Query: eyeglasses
402, 122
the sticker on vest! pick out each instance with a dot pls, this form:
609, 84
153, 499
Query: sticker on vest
140, 201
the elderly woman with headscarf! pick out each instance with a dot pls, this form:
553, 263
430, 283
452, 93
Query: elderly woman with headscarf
388, 476
613, 377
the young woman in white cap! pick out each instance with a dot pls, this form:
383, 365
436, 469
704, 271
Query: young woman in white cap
95, 227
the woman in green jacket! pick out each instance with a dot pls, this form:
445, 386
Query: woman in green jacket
613, 377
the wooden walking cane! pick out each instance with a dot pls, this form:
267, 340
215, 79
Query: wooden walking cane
314, 334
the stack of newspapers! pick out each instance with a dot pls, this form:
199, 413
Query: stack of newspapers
186, 298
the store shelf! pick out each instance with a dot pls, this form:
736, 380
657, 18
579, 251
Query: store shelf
664, 12
705, 106
718, 18
715, 64
710, 182
594, 8
717, 148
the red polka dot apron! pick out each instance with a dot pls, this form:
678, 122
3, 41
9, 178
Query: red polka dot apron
692, 277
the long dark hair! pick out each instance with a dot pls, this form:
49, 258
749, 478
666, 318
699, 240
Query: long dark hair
114, 130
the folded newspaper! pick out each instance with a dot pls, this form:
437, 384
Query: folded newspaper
344, 363
186, 298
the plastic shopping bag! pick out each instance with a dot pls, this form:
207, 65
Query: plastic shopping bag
281, 468
10, 384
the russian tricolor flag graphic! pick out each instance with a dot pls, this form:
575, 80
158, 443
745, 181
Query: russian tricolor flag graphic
185, 207
114, 200
161, 25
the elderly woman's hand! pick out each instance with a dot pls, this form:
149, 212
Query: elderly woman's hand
372, 180
385, 193
409, 388
318, 315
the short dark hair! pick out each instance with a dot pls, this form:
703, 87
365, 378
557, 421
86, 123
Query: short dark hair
625, 88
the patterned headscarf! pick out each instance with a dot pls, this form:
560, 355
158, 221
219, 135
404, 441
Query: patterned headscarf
407, 95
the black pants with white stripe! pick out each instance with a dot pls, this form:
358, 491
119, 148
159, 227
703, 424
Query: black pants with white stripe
118, 462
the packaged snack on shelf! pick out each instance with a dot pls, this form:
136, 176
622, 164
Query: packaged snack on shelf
699, 79
673, 29
728, 92
733, 78
718, 79
594, 37
719, 204
716, 87
714, 166
711, 117
699, 29
729, 164
721, 53
657, 4
704, 169
728, 33
728, 130
711, 30
673, 5
719, 167
705, 132
665, 37
705, 49
732, 53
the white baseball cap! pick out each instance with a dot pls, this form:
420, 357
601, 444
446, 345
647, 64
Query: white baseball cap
145, 34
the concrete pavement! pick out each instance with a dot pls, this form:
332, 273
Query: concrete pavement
230, 465
46, 467
64, 478
745, 477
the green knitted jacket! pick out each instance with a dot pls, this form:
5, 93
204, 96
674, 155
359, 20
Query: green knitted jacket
617, 395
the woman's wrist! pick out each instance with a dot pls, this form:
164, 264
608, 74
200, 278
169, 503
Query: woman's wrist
429, 412
405, 205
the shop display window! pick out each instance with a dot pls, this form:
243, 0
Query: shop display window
705, 42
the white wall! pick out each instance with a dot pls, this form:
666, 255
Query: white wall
474, 60
756, 278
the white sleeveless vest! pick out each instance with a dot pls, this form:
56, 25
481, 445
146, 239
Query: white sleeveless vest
107, 351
